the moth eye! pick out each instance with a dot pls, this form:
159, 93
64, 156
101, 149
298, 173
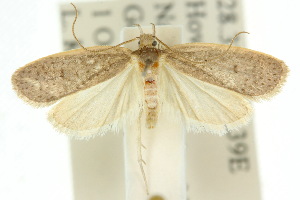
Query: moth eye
154, 43
139, 42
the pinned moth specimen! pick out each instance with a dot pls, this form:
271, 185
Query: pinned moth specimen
104, 88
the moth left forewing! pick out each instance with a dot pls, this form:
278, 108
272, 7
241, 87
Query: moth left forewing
103, 108
204, 107
254, 74
46, 80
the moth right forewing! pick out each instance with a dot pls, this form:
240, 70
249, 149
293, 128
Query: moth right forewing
203, 106
251, 73
46, 80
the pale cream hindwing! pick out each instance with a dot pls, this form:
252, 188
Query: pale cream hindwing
102, 108
251, 73
46, 80
201, 105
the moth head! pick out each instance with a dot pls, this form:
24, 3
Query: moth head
147, 40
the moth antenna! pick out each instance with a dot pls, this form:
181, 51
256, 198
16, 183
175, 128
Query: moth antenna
139, 26
206, 60
73, 27
73, 31
153, 28
173, 50
232, 40
164, 44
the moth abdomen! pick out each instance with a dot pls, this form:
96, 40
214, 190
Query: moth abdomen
151, 99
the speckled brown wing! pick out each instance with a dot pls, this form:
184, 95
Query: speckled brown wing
44, 81
251, 73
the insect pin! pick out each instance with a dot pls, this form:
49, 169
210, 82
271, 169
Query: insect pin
102, 88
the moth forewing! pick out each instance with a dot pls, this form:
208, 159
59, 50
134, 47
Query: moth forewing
203, 106
251, 73
46, 80
105, 107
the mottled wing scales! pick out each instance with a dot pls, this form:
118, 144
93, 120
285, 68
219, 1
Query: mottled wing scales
48, 79
101, 108
203, 106
245, 71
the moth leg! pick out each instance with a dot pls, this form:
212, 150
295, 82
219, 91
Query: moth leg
139, 153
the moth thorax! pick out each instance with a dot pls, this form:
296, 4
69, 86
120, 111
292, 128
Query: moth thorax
148, 56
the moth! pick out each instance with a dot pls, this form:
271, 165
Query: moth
102, 88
